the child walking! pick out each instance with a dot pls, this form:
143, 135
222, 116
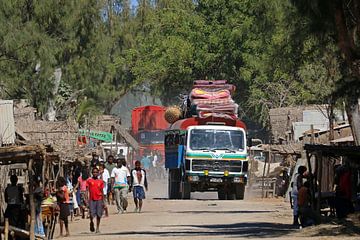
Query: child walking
138, 183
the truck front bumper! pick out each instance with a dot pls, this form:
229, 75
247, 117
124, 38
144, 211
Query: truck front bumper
217, 180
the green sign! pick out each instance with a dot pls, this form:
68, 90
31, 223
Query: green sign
102, 136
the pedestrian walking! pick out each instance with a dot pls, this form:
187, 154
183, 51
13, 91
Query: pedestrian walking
82, 187
146, 163
155, 165
110, 165
38, 198
63, 200
120, 177
95, 188
138, 185
14, 197
299, 176
307, 215
95, 161
121, 154
105, 176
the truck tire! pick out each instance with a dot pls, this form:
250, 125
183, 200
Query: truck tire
221, 193
230, 195
174, 184
240, 191
186, 190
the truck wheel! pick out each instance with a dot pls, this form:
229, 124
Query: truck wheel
230, 195
186, 190
173, 185
221, 193
240, 191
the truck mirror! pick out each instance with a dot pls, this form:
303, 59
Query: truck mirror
249, 142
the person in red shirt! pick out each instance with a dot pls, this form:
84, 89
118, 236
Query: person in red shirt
96, 198
63, 200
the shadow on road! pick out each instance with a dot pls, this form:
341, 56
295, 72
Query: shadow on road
255, 229
336, 228
222, 212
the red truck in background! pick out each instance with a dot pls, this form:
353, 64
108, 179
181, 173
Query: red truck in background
148, 126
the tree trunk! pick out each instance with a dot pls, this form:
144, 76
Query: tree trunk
353, 112
51, 112
348, 50
31, 199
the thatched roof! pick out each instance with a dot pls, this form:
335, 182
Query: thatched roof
22, 154
288, 149
62, 135
127, 137
330, 150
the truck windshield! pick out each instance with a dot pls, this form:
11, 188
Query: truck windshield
151, 137
216, 139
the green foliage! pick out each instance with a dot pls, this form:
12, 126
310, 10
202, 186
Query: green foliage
105, 48
86, 111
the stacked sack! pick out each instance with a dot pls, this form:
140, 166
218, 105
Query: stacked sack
172, 114
214, 99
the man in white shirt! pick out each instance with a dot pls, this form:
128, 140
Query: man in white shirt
120, 176
105, 176
138, 183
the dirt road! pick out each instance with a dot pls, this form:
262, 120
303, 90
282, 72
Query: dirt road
203, 217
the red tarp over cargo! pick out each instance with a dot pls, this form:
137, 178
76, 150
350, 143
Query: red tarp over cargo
195, 121
148, 118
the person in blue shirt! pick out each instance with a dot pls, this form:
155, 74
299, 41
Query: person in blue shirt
145, 162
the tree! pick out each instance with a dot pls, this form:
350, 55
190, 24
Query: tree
342, 19
39, 36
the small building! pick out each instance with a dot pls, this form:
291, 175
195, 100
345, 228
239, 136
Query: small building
7, 123
341, 133
289, 123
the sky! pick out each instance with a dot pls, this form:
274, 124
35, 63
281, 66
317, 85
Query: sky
134, 3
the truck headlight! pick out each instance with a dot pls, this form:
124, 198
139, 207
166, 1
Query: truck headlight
193, 178
238, 180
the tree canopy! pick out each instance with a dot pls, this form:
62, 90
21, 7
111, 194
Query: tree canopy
268, 49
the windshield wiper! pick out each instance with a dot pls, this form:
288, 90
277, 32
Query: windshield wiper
205, 149
228, 149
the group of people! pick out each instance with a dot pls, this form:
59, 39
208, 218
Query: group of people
18, 205
104, 183
88, 195
339, 201
153, 162
301, 200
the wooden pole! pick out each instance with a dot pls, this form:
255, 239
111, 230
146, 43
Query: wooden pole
331, 122
112, 140
250, 170
312, 139
31, 198
318, 206
6, 230
43, 174
308, 156
263, 180
268, 173
316, 170
116, 141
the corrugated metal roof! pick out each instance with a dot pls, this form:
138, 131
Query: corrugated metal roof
7, 124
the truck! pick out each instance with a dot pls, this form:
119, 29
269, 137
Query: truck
205, 149
147, 127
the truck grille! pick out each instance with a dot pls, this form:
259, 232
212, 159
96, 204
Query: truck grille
216, 165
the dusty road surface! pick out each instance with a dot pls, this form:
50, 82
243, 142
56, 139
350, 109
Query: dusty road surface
204, 217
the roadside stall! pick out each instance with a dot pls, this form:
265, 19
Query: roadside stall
327, 164
33, 156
